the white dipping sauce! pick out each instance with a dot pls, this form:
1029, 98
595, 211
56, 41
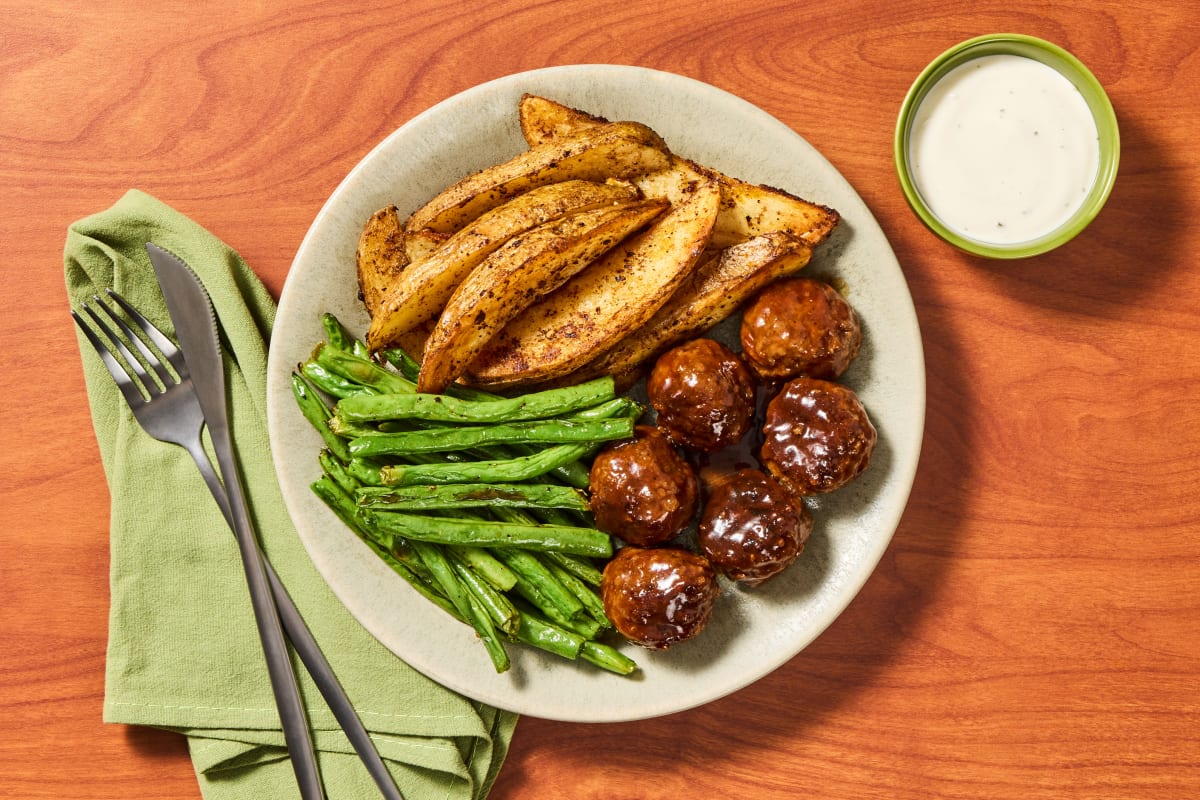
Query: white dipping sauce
1003, 149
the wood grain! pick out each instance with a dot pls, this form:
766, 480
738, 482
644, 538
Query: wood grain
1034, 629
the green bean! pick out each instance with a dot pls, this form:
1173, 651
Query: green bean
339, 501
487, 634
409, 568
607, 657
351, 430
339, 336
437, 440
471, 495
466, 604
504, 615
331, 384
362, 371
540, 633
313, 408
616, 407
336, 470
444, 408
475, 499
365, 471
559, 516
578, 567
511, 470
486, 565
591, 601
537, 585
486, 533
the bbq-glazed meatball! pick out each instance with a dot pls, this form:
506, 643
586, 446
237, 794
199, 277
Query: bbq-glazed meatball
752, 527
642, 490
704, 395
799, 326
658, 596
816, 436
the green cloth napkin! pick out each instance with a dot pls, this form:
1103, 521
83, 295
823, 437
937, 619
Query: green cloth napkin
183, 650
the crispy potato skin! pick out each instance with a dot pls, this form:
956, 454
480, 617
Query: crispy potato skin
716, 289
605, 302
420, 292
747, 210
543, 120
611, 150
380, 258
515, 276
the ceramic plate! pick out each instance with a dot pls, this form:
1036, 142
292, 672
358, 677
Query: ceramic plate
752, 631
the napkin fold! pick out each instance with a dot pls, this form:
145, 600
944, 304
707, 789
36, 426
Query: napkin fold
183, 650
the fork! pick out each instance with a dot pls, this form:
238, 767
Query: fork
170, 412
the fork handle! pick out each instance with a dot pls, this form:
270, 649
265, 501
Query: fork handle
309, 651
296, 731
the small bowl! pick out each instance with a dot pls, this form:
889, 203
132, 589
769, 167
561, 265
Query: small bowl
1065, 64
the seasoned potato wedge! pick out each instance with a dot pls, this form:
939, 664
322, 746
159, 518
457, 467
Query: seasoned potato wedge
612, 150
609, 299
716, 289
420, 292
543, 120
380, 257
384, 252
747, 210
517, 274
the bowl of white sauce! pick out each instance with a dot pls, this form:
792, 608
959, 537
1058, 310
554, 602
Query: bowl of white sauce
1007, 146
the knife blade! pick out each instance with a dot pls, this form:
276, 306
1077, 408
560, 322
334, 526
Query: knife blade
192, 313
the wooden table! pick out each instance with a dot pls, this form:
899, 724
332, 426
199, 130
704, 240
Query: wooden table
1033, 630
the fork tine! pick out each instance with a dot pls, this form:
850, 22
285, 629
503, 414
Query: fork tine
120, 376
130, 359
151, 357
160, 339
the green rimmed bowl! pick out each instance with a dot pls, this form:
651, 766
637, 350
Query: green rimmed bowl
1066, 65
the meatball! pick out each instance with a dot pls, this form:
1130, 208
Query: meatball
752, 528
800, 326
658, 596
816, 436
642, 490
704, 395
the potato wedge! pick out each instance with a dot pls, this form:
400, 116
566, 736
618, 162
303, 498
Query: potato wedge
515, 276
421, 291
380, 257
747, 210
612, 150
543, 120
384, 251
715, 290
610, 298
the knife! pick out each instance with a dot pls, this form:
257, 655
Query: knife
195, 324
305, 645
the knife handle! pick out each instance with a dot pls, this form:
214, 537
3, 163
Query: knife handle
296, 732
305, 645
